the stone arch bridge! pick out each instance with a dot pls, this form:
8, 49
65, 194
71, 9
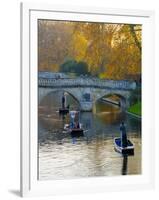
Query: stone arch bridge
87, 90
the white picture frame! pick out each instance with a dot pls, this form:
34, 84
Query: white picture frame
30, 186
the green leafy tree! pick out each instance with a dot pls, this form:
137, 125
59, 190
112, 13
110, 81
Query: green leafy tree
81, 68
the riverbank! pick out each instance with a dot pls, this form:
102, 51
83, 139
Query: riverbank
135, 110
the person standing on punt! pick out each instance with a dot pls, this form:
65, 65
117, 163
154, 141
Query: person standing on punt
63, 101
72, 117
123, 136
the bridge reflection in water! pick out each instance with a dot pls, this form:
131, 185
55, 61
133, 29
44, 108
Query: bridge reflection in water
92, 155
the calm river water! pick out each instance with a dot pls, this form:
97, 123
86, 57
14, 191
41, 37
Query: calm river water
92, 155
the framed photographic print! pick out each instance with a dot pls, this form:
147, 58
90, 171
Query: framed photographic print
87, 81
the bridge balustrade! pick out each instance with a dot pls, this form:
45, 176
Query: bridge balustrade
87, 82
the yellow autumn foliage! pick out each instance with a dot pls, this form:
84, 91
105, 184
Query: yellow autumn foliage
110, 50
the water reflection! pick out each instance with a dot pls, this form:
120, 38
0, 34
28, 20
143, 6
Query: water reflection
61, 156
125, 165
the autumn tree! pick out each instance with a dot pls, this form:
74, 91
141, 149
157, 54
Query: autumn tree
106, 50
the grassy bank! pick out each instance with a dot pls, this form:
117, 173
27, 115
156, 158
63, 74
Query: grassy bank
135, 109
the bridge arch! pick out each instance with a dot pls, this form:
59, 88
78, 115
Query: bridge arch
123, 97
43, 92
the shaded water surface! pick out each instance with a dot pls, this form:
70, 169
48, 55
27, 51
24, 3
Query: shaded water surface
91, 155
